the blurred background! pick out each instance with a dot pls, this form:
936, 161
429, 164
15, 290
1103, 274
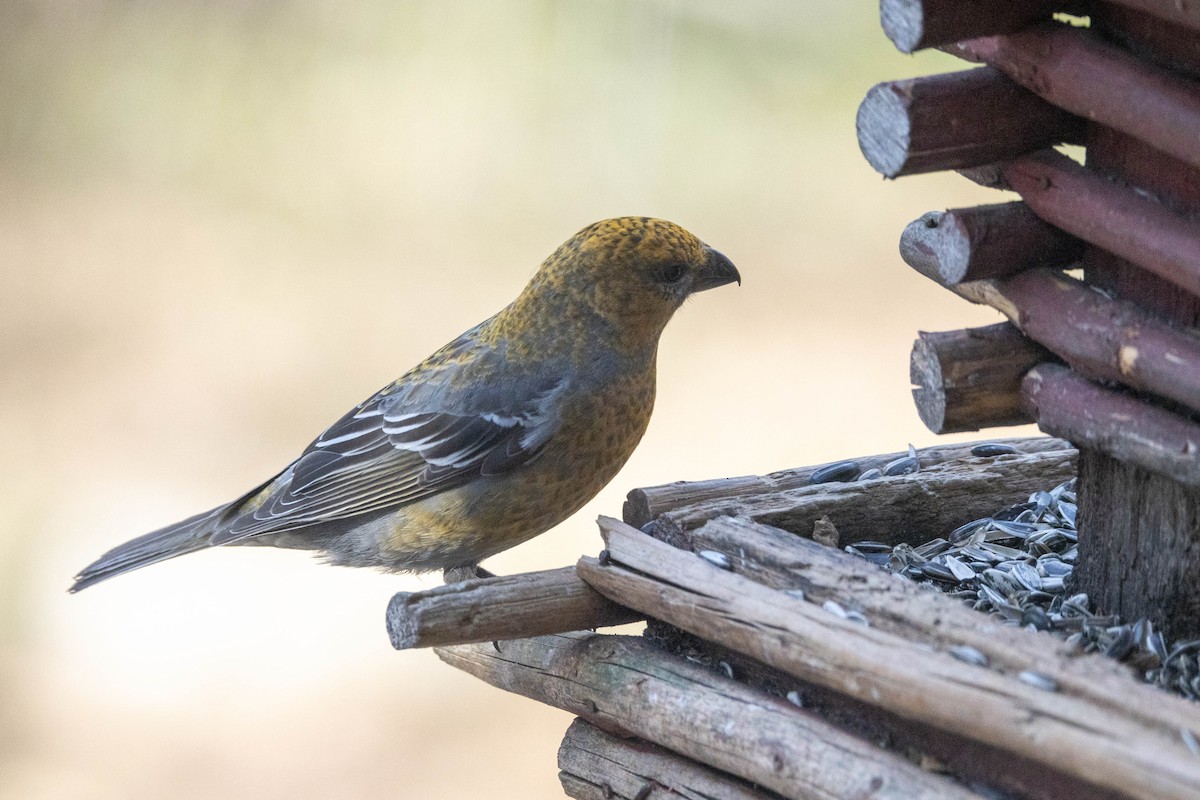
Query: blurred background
223, 223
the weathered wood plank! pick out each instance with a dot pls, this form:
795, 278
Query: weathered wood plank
784, 561
645, 504
905, 508
625, 684
1062, 731
595, 765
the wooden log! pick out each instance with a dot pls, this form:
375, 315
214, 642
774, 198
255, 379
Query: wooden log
647, 503
959, 119
493, 609
1140, 554
916, 24
1133, 516
1118, 219
784, 561
993, 241
1061, 64
970, 379
1115, 423
625, 684
908, 508
594, 765
1063, 732
1100, 337
1179, 12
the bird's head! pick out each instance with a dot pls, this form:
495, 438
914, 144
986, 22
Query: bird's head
635, 271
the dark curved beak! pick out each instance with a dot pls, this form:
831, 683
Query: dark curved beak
717, 271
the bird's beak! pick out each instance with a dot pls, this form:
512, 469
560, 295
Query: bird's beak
717, 271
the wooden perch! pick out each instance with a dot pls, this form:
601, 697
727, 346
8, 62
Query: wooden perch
1100, 337
1062, 64
782, 560
907, 508
955, 120
493, 609
993, 241
1115, 423
594, 765
916, 24
645, 504
970, 379
624, 684
1063, 732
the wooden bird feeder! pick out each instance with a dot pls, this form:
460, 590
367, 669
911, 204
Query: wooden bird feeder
776, 666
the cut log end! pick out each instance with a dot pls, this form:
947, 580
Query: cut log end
904, 23
884, 131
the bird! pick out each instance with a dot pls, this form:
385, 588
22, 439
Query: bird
493, 439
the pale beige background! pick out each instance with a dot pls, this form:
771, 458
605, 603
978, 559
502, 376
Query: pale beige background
224, 223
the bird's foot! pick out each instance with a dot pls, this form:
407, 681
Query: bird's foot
464, 573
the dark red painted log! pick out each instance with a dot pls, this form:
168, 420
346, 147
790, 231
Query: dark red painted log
1118, 424
955, 120
1078, 71
1116, 218
916, 24
993, 241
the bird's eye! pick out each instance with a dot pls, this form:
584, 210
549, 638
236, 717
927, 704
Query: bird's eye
671, 273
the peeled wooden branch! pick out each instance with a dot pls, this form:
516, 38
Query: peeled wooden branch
782, 560
1061, 63
645, 504
994, 241
1114, 423
620, 683
492, 609
916, 24
906, 508
959, 119
1113, 217
1098, 336
594, 765
1061, 731
970, 379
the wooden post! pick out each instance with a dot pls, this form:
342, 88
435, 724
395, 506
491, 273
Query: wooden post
1139, 554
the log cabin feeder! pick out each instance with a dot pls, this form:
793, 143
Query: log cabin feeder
792, 646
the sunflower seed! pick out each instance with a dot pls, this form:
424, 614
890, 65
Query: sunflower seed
968, 654
992, 449
871, 474
902, 466
958, 569
1038, 680
717, 559
837, 472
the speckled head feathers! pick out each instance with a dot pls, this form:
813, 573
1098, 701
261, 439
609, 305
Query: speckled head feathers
634, 271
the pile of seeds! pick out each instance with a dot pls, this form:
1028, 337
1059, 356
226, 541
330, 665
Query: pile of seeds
1017, 564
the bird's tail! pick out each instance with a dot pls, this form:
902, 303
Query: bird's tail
183, 537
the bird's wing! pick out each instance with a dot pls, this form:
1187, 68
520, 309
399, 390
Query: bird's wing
446, 423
